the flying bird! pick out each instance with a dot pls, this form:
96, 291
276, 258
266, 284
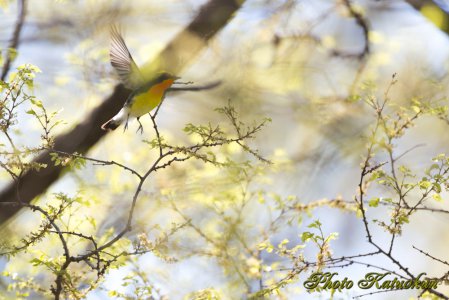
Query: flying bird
145, 95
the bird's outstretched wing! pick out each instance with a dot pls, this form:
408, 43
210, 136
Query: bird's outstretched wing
123, 62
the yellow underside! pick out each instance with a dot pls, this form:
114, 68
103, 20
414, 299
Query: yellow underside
146, 102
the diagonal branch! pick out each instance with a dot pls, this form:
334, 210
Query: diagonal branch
184, 47
195, 88
21, 7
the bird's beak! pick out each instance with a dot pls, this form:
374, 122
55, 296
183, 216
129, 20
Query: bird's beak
175, 78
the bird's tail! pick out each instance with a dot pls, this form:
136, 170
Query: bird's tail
115, 122
110, 125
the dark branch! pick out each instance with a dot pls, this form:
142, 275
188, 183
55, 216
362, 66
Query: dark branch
176, 55
196, 88
21, 7
363, 23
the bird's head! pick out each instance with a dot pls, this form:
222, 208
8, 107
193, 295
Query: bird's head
167, 76
164, 80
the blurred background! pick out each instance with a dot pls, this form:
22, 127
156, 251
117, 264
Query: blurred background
300, 63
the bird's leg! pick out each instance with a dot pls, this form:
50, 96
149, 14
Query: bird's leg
140, 126
126, 124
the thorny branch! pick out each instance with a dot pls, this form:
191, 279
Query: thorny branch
167, 155
391, 135
211, 17
400, 207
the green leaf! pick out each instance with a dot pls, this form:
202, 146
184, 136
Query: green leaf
37, 102
403, 219
416, 109
424, 184
305, 236
283, 243
260, 197
404, 170
332, 236
36, 262
262, 246
439, 157
317, 224
388, 200
437, 197
377, 174
437, 187
374, 202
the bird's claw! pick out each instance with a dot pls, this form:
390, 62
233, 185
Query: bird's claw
126, 124
140, 127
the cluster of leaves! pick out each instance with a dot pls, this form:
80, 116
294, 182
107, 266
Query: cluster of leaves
265, 262
101, 250
15, 95
406, 192
409, 192
259, 260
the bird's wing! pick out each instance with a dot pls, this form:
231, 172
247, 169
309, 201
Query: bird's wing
123, 62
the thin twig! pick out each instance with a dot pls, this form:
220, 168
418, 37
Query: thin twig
21, 7
432, 257
195, 88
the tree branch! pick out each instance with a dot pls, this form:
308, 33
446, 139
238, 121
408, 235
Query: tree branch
177, 55
21, 7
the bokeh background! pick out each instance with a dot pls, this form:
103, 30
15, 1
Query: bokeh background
296, 62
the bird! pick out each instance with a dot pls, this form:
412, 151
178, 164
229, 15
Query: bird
145, 94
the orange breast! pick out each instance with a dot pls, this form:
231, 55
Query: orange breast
143, 103
160, 88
